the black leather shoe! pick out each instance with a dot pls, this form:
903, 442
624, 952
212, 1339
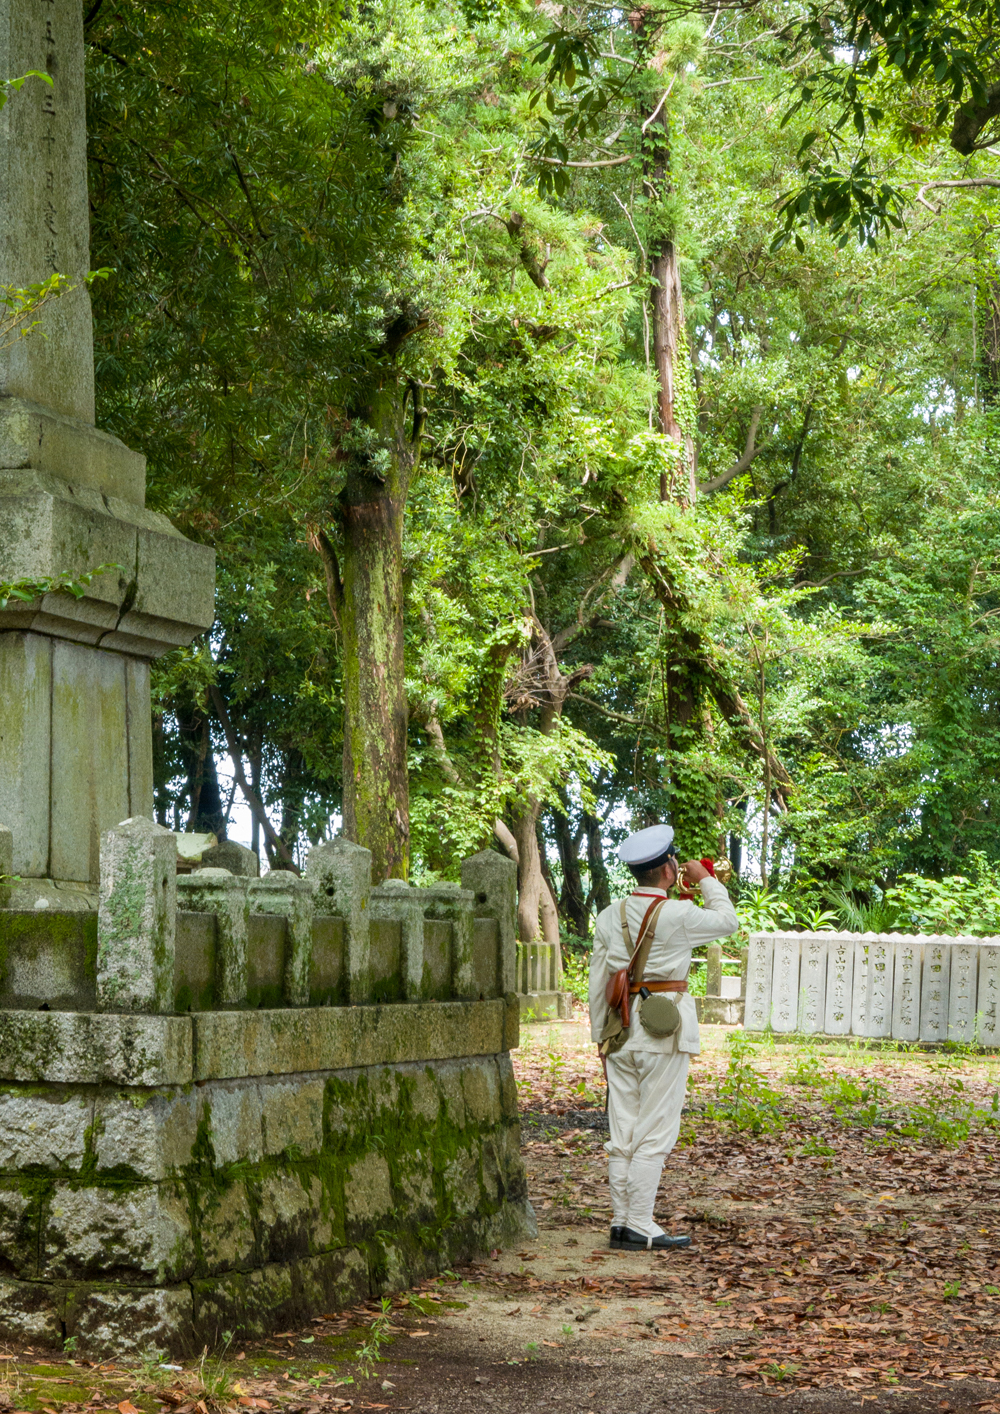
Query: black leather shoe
626, 1239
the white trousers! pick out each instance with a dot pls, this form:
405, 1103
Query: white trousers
645, 1097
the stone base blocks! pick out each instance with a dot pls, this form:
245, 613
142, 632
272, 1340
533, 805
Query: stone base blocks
908, 987
247, 1100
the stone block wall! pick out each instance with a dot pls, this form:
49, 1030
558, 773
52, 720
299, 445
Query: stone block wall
910, 987
227, 1103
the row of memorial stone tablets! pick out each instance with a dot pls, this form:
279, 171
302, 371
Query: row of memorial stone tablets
908, 987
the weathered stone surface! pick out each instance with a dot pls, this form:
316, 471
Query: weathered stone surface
279, 1295
342, 875
934, 989
988, 1003
194, 960
367, 1191
713, 970
31, 1311
45, 212
48, 959
6, 864
47, 1129
141, 1235
492, 880
227, 1240
785, 982
233, 1044
136, 919
760, 960
963, 991
906, 989
88, 1048
292, 1115
105, 1320
295, 1220
284, 894
839, 986
232, 1113
545, 1006
37, 437
457, 905
396, 902
218, 892
25, 746
19, 1229
239, 860
812, 983
150, 1134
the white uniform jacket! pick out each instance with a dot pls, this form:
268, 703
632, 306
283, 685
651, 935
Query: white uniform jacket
681, 926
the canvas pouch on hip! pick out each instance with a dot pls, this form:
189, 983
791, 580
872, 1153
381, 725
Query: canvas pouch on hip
616, 1032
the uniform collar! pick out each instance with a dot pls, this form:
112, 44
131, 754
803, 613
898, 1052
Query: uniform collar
650, 893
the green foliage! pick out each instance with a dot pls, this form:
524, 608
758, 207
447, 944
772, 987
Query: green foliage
27, 588
743, 1097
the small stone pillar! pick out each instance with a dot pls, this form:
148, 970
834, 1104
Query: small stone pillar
713, 970
285, 893
234, 858
398, 902
219, 892
6, 865
341, 874
136, 918
493, 881
456, 904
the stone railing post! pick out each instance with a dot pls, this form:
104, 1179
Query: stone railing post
713, 970
219, 892
136, 918
492, 880
396, 901
6, 865
341, 875
456, 904
284, 893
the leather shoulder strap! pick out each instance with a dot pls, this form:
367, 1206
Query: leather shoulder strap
637, 967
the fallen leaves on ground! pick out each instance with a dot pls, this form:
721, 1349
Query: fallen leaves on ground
831, 1253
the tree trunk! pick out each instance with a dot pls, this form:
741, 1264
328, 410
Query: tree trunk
535, 907
667, 304
572, 900
372, 505
600, 885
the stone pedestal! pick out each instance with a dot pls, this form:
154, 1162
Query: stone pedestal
75, 744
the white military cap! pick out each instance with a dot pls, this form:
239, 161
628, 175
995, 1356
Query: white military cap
647, 849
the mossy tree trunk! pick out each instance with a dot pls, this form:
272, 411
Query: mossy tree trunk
364, 575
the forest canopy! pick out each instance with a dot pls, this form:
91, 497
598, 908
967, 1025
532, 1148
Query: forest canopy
596, 416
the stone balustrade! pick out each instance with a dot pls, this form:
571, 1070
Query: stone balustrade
908, 987
211, 940
228, 1102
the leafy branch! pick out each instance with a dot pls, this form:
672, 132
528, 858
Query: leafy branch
28, 588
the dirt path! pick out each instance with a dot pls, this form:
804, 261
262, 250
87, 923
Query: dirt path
843, 1205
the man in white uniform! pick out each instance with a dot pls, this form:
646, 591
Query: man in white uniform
647, 1077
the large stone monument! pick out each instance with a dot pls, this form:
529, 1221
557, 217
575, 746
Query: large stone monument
75, 743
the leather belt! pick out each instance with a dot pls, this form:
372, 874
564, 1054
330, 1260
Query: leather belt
661, 987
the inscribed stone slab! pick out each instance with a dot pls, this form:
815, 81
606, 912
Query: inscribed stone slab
906, 989
44, 211
785, 982
839, 985
934, 987
760, 959
878, 988
962, 993
988, 1003
812, 983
